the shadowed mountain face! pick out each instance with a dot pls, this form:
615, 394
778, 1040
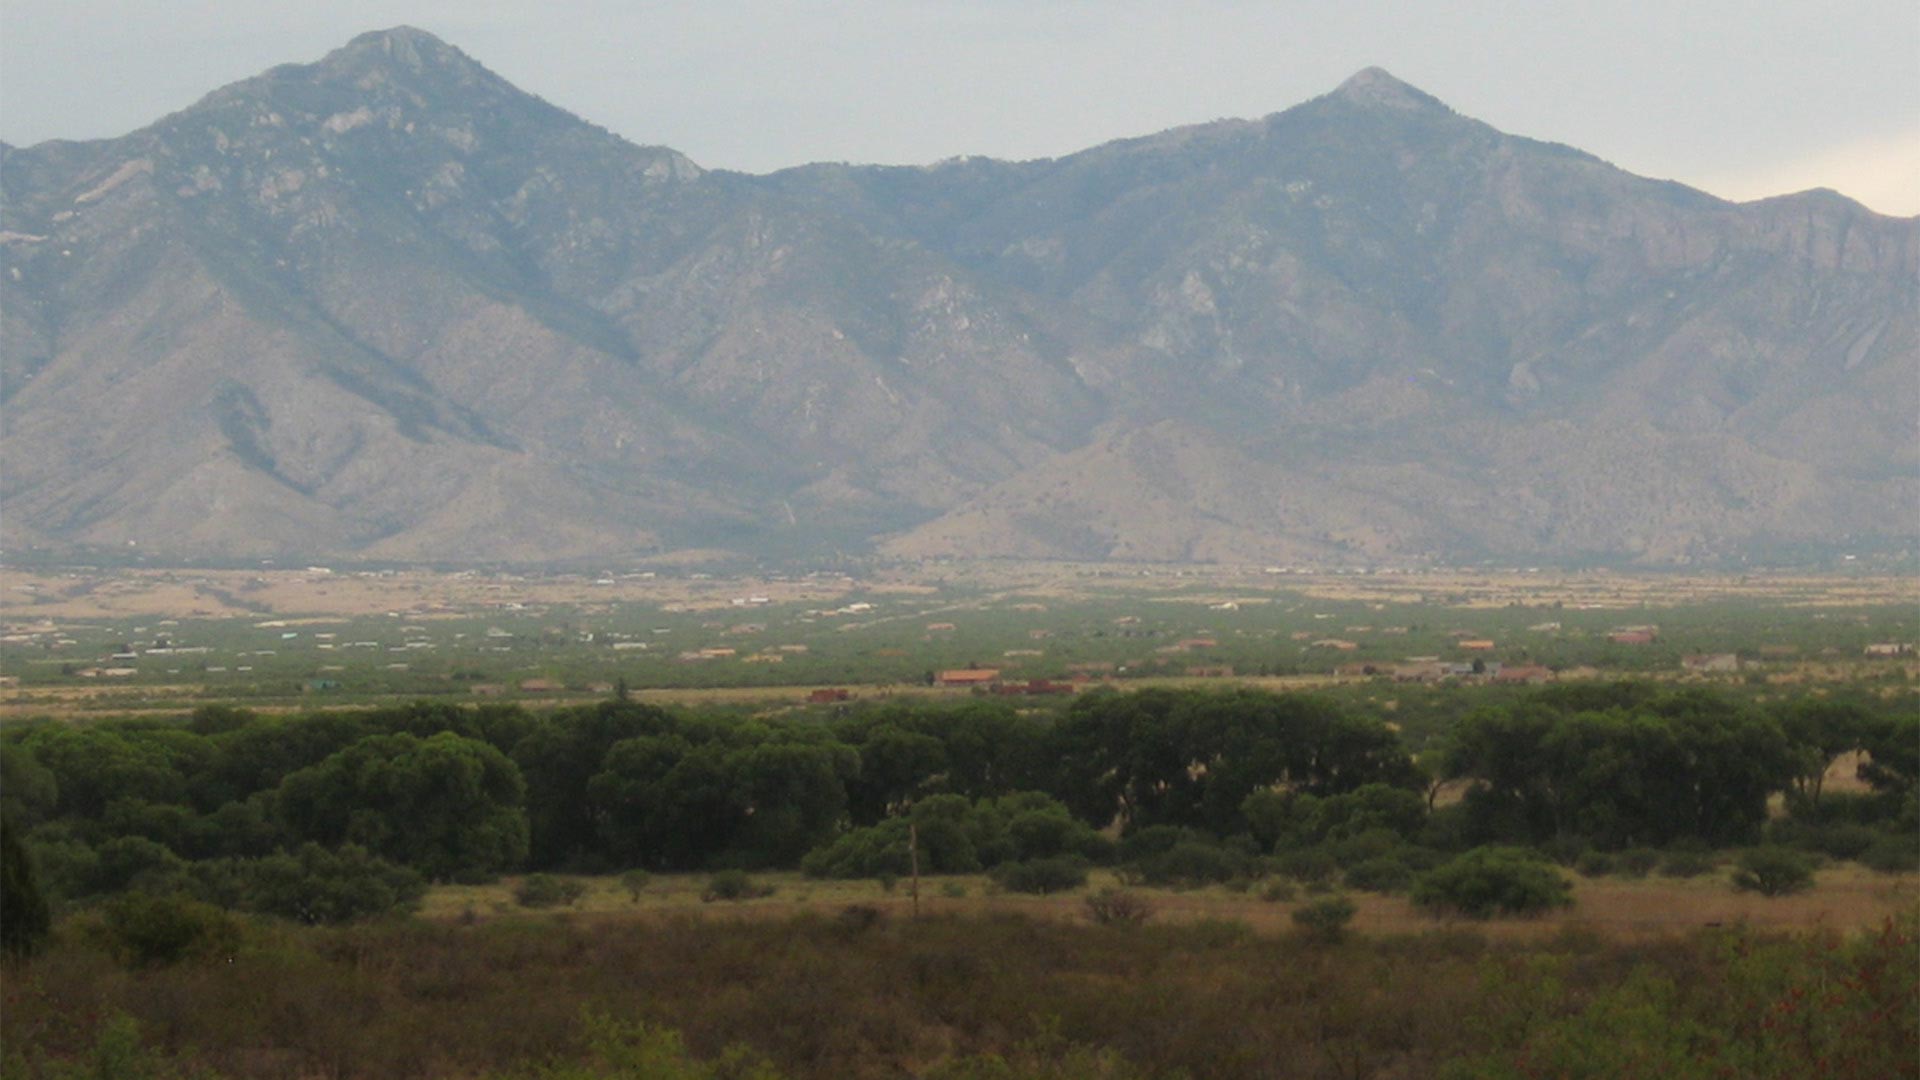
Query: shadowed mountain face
388, 306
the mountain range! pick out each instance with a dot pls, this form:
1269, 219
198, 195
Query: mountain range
387, 306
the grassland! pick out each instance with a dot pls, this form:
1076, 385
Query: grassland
1000, 995
1847, 898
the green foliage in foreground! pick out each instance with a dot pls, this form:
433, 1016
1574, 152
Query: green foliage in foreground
118, 1052
1789, 1009
992, 997
631, 1050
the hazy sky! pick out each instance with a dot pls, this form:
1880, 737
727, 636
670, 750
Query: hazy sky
1743, 98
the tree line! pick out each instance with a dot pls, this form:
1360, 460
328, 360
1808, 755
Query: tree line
327, 815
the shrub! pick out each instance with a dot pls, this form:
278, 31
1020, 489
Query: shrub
118, 1050
1042, 875
734, 885
953, 890
544, 890
143, 930
1364, 847
1277, 891
128, 862
635, 882
1636, 862
1839, 840
1325, 920
862, 853
1843, 841
1892, 855
619, 1048
859, 918
1118, 907
1772, 871
1687, 864
315, 885
1491, 881
1307, 865
1596, 864
1565, 850
1846, 808
1158, 840
1048, 829
1419, 858
1190, 864
1261, 867
1382, 875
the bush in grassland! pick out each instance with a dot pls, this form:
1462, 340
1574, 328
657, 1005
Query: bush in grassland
1636, 862
1772, 871
1058, 874
1276, 891
313, 885
1382, 875
634, 882
1491, 881
1118, 907
545, 890
734, 885
1892, 855
1687, 863
146, 931
1325, 920
1189, 864
1596, 864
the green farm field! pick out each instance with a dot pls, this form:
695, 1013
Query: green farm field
78, 642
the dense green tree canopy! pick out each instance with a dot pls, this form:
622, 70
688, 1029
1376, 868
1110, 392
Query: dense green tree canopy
1206, 785
560, 758
452, 807
1679, 765
1172, 758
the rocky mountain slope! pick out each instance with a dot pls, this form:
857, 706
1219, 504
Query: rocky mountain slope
388, 306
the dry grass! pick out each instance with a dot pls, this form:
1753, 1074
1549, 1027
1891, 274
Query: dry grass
1847, 897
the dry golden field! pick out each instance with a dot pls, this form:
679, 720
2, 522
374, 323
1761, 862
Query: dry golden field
1846, 897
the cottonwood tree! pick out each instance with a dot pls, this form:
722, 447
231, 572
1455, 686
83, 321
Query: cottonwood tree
448, 806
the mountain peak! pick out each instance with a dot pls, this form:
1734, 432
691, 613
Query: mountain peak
405, 47
406, 42
1376, 87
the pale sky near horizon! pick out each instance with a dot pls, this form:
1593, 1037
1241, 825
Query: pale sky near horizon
1738, 98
